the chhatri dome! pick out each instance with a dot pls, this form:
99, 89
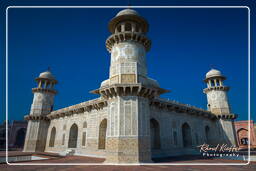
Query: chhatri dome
45, 79
47, 75
128, 15
127, 12
213, 73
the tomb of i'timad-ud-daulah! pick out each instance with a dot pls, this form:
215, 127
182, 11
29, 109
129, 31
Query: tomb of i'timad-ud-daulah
129, 122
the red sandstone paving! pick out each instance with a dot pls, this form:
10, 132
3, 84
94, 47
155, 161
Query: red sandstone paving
79, 159
53, 158
129, 168
14, 153
20, 153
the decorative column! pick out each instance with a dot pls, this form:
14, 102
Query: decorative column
215, 82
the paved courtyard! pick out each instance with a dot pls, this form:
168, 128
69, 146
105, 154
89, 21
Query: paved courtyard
55, 160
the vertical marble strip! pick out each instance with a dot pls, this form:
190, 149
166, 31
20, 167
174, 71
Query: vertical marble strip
122, 120
145, 112
108, 124
28, 134
35, 126
32, 130
141, 117
131, 121
130, 118
147, 119
115, 120
127, 118
133, 117
136, 72
137, 114
118, 116
136, 117
145, 116
110, 120
123, 102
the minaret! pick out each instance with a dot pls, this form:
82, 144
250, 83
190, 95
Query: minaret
218, 104
216, 93
128, 45
128, 90
42, 105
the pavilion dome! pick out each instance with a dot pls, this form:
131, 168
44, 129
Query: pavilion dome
128, 15
127, 12
213, 73
47, 75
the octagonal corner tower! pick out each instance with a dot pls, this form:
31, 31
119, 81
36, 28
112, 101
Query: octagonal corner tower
216, 93
128, 45
218, 104
128, 90
42, 105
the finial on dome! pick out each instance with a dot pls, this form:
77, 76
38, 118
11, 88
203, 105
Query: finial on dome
212, 66
129, 4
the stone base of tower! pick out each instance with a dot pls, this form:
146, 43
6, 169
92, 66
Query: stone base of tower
32, 146
228, 131
128, 150
36, 135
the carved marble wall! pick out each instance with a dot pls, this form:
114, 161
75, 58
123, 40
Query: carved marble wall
218, 102
42, 103
128, 58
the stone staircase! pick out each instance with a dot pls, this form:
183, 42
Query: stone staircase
68, 152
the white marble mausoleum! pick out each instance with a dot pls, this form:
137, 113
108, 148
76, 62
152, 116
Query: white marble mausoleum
129, 122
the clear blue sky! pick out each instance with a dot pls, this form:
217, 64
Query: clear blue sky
185, 44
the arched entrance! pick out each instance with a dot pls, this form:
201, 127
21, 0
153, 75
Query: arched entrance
102, 134
20, 137
186, 133
207, 134
155, 134
244, 141
52, 137
243, 136
73, 132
